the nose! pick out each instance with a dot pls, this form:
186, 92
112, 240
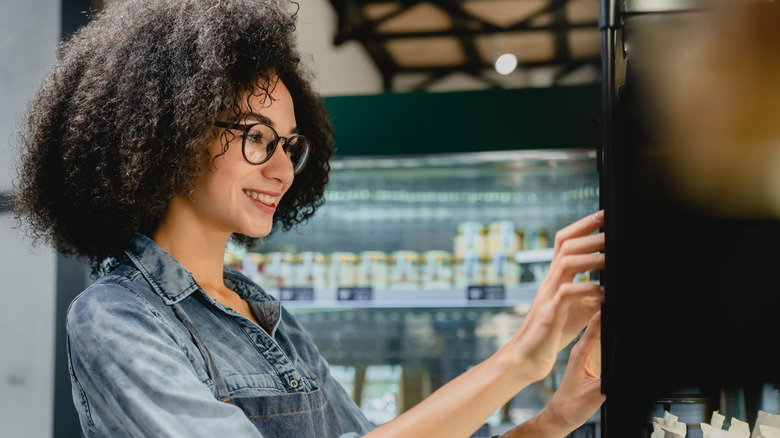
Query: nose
279, 165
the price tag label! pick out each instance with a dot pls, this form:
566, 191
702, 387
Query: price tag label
296, 294
354, 294
497, 292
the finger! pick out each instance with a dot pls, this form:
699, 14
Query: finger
592, 333
577, 303
570, 265
565, 268
583, 245
586, 295
587, 350
590, 343
582, 227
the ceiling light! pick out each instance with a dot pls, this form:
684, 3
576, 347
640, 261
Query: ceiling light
506, 64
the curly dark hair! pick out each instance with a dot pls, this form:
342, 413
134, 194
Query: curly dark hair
121, 123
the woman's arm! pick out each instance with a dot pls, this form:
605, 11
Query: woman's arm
560, 311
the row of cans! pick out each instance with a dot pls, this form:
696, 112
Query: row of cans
497, 237
378, 270
482, 255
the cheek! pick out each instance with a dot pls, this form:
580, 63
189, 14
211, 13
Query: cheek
212, 187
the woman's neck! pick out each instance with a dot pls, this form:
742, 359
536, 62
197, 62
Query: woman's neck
200, 251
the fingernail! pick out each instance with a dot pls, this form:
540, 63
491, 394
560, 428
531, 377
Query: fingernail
599, 215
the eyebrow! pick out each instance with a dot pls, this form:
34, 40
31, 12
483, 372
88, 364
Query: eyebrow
263, 119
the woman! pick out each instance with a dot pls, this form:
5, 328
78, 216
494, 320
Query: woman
171, 126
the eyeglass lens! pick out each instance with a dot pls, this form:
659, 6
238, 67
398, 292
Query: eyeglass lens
261, 141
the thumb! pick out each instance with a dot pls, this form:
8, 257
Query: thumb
588, 348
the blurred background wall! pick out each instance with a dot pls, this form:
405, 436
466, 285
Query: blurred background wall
29, 32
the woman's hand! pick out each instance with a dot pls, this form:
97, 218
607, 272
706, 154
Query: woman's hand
561, 308
578, 396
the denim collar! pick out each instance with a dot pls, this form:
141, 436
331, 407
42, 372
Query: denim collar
172, 282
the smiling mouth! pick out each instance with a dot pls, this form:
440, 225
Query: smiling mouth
265, 199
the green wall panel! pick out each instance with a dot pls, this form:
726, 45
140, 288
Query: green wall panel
564, 117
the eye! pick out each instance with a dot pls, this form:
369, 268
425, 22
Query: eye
254, 137
260, 135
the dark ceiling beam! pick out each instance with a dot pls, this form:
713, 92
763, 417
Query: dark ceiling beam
405, 6
561, 37
441, 74
371, 36
462, 20
384, 62
352, 20
527, 21
574, 66
350, 17
435, 77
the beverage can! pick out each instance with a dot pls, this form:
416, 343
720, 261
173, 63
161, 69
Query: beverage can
470, 237
437, 272
469, 270
537, 239
343, 269
278, 269
311, 270
504, 236
503, 270
405, 270
373, 270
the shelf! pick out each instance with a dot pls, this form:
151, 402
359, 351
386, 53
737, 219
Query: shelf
534, 256
482, 296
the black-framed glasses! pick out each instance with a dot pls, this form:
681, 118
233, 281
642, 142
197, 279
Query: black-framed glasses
259, 141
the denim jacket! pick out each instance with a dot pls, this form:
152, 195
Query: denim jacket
135, 370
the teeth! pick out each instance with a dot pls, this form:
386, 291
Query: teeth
265, 199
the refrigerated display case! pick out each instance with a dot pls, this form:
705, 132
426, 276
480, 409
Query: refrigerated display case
393, 342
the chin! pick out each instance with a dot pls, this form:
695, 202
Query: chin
258, 232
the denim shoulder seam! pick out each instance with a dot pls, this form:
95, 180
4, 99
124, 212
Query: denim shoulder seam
106, 279
128, 283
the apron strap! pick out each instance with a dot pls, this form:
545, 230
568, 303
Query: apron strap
220, 389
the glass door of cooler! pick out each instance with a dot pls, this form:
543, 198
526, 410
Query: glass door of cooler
417, 268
